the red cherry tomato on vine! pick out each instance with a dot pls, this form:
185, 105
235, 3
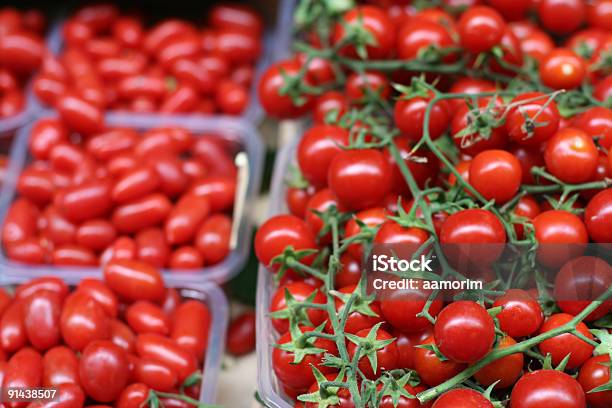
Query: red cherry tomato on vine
594, 373
480, 29
103, 369
462, 398
492, 165
562, 345
542, 388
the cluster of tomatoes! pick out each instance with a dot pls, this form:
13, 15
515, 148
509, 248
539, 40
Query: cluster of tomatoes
112, 61
125, 340
22, 50
484, 124
163, 196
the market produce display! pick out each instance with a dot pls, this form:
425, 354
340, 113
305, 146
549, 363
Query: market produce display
127, 340
462, 130
90, 193
22, 50
114, 60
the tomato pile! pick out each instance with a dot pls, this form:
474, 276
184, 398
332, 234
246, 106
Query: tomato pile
113, 61
439, 126
91, 194
22, 50
127, 339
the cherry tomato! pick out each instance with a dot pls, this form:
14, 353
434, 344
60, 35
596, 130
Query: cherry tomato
184, 218
416, 36
60, 366
598, 216
521, 314
13, 334
146, 317
562, 345
103, 369
316, 150
409, 116
431, 369
372, 217
547, 388
156, 375
492, 165
241, 334
480, 29
543, 119
82, 321
24, 371
96, 234
462, 398
596, 121
89, 200
556, 227
562, 69
45, 134
506, 370
331, 104
400, 310
164, 350
219, 190
571, 156
41, 318
142, 213
133, 396
300, 291
594, 373
20, 222
561, 16
80, 115
276, 104
191, 323
359, 86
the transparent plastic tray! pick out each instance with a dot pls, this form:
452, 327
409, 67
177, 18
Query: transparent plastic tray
9, 126
268, 386
284, 29
234, 130
208, 293
253, 114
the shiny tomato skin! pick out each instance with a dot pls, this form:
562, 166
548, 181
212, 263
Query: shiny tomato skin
561, 16
417, 35
431, 369
300, 376
146, 317
155, 375
134, 280
596, 121
28, 251
219, 190
279, 232
36, 185
103, 370
330, 103
462, 398
546, 123
235, 16
506, 370
371, 217
41, 317
52, 283
45, 134
480, 28
144, 212
121, 335
474, 143
80, 115
20, 222
60, 366
133, 396
24, 371
241, 334
367, 168
86, 201
96, 234
545, 388
409, 115
300, 291
135, 184
598, 216
594, 373
184, 218
212, 239
124, 247
21, 52
527, 207
73, 255
521, 315
564, 344
492, 165
556, 227
562, 69
476, 327
185, 257
152, 247
82, 321
386, 357
166, 351
13, 334
270, 84
356, 321
316, 150
190, 328
376, 22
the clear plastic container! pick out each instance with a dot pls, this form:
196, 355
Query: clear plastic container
208, 293
284, 29
253, 114
234, 130
10, 125
268, 386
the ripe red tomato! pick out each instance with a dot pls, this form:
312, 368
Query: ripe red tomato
366, 168
596, 121
212, 238
473, 226
375, 22
464, 331
431, 369
300, 292
164, 350
330, 103
190, 328
133, 396
316, 150
544, 119
521, 315
571, 156
474, 143
598, 216
299, 376
121, 335
386, 357
24, 370
462, 398
480, 28
409, 116
60, 366
155, 375
506, 370
359, 86
555, 227
541, 388
276, 104
147, 317
490, 166
528, 208
280, 232
417, 35
82, 321
594, 373
241, 334
103, 370
562, 69
562, 345
400, 309
41, 318
424, 171
134, 280
579, 282
561, 16
80, 115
